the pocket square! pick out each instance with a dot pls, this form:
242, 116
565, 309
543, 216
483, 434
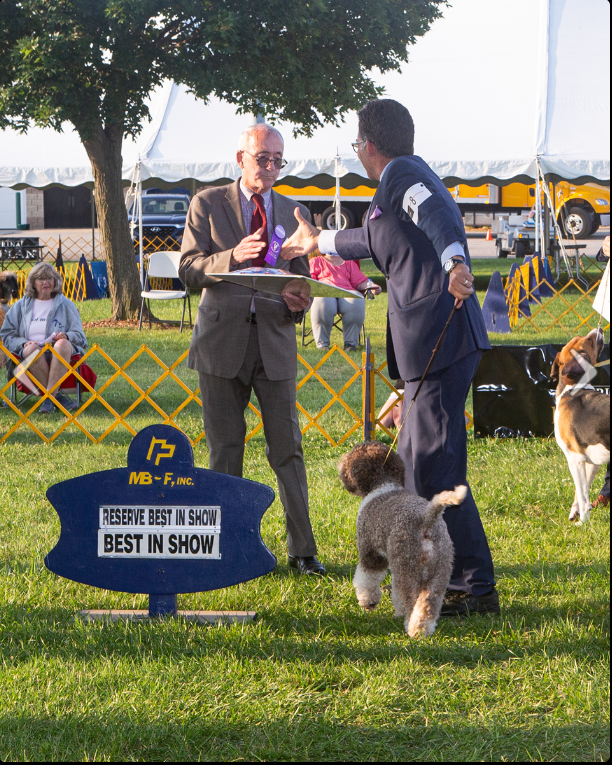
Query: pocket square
376, 214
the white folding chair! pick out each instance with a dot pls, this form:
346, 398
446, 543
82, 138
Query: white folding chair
164, 265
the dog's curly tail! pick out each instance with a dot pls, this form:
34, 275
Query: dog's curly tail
443, 500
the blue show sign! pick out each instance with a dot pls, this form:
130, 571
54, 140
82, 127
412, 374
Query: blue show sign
160, 526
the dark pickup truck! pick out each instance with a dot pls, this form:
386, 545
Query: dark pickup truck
163, 221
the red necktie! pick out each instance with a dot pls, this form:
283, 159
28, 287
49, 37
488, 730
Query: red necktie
259, 220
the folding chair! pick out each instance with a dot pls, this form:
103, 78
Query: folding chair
337, 325
164, 265
70, 385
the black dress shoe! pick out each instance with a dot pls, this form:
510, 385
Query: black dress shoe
307, 565
458, 603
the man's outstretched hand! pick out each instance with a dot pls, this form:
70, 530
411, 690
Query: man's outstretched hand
304, 241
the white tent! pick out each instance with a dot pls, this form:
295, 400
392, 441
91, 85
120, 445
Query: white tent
493, 85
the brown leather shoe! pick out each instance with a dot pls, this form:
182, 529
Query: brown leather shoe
601, 501
307, 565
458, 603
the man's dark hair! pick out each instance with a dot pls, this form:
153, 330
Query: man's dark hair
388, 125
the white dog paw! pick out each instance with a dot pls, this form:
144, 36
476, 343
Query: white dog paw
421, 630
368, 600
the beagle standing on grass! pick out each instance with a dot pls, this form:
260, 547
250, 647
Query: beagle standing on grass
582, 416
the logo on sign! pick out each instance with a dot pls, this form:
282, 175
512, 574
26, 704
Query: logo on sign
163, 446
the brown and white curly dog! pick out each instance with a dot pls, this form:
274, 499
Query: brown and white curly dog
401, 532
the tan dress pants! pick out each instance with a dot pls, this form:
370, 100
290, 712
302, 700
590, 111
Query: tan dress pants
224, 402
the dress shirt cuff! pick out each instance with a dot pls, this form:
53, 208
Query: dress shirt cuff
327, 243
454, 250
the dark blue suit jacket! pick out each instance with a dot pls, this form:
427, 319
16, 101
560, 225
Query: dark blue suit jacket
412, 220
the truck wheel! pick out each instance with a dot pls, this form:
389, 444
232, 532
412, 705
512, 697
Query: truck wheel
519, 249
577, 223
595, 226
499, 249
328, 219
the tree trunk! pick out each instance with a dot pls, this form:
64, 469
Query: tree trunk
104, 152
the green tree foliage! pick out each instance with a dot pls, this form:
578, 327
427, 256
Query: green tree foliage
93, 63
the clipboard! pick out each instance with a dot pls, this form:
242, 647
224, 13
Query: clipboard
274, 281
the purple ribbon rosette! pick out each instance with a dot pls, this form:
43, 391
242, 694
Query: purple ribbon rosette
275, 246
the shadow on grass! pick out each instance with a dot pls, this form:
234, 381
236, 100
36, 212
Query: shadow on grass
551, 571
35, 632
338, 573
26, 437
308, 736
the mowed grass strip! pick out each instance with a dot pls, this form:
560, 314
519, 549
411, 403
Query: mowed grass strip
315, 678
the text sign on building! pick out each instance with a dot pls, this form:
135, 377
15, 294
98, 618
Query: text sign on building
159, 532
160, 526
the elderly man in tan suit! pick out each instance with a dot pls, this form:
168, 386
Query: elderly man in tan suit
244, 340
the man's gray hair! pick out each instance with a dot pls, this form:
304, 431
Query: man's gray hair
40, 271
250, 132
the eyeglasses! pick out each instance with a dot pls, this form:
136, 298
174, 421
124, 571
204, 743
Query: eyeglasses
264, 161
356, 146
44, 279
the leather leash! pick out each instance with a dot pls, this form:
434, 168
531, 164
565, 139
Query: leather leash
427, 368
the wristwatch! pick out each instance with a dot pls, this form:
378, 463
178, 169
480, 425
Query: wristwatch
451, 263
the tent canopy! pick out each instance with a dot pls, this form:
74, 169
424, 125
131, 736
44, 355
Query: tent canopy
492, 85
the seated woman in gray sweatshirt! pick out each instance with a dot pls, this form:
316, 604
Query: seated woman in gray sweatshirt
42, 316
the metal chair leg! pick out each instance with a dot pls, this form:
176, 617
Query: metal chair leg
183, 316
15, 395
305, 333
141, 309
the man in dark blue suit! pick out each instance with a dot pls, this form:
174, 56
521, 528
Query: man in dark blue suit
414, 234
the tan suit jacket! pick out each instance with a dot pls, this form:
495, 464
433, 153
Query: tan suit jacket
213, 228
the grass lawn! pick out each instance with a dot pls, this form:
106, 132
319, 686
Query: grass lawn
315, 678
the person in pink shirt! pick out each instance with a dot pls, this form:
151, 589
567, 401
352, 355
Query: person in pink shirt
347, 275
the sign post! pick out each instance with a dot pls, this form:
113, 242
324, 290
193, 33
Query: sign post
160, 526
